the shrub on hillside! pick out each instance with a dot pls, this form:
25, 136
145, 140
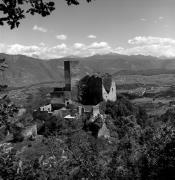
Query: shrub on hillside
169, 116
122, 107
34, 101
7, 115
8, 164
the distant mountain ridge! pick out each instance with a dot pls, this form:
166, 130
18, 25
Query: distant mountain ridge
25, 70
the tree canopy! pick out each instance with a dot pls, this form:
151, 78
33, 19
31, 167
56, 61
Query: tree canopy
13, 11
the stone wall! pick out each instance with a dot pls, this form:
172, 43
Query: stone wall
111, 96
96, 88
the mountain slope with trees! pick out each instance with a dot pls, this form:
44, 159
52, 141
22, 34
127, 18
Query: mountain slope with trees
24, 71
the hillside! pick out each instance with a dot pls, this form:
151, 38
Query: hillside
25, 70
147, 72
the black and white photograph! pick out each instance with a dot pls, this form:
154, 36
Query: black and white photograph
87, 89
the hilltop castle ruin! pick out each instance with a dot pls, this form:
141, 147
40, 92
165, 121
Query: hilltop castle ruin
96, 88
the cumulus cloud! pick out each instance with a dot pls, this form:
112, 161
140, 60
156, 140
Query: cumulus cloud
57, 51
42, 44
83, 50
41, 29
152, 46
99, 48
61, 37
79, 46
40, 51
142, 40
18, 49
143, 19
151, 50
61, 50
91, 36
160, 18
97, 45
60, 46
2, 47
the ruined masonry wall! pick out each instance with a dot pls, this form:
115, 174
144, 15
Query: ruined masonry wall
111, 96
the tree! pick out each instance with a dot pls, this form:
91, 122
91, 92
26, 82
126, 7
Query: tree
7, 114
15, 10
90, 90
8, 162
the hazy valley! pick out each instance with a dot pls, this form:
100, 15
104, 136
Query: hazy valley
26, 75
24, 71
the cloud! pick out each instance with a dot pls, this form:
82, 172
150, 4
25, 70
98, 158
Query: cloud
60, 46
99, 48
151, 50
60, 50
142, 40
20, 49
79, 46
83, 50
160, 18
97, 45
42, 44
149, 46
41, 29
139, 45
2, 47
61, 37
91, 36
40, 51
143, 19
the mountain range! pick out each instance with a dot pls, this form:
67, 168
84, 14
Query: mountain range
23, 70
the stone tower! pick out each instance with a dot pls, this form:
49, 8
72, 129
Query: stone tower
67, 75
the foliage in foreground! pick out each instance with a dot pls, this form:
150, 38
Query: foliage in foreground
16, 10
139, 150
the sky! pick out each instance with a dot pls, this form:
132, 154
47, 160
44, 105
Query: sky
130, 27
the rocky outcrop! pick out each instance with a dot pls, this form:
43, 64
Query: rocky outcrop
24, 133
